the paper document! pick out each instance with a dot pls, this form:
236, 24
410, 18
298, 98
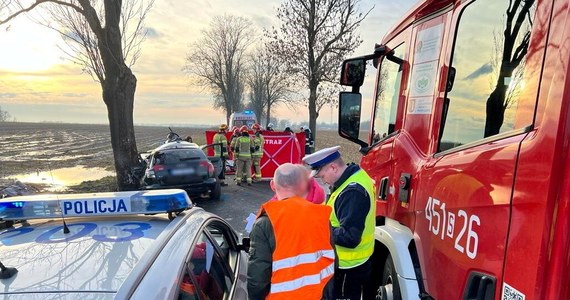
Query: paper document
250, 220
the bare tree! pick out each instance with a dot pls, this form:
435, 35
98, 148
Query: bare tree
313, 39
104, 37
518, 14
255, 82
4, 115
268, 81
218, 59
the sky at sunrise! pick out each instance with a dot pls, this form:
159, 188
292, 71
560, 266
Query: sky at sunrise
38, 83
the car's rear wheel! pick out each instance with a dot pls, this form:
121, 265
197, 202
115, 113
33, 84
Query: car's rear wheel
389, 287
216, 193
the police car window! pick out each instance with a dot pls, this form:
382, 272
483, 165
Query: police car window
178, 156
211, 279
489, 58
220, 237
387, 95
188, 288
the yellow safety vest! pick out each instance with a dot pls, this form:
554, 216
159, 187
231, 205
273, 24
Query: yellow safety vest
353, 257
220, 138
258, 141
243, 147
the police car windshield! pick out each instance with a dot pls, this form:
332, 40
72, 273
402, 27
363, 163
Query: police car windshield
176, 156
96, 256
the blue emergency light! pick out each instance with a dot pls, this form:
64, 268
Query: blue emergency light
248, 112
97, 204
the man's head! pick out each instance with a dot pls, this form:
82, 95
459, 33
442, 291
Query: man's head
331, 172
244, 130
327, 164
290, 180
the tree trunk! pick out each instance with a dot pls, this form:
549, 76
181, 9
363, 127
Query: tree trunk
119, 99
495, 109
313, 114
268, 115
228, 114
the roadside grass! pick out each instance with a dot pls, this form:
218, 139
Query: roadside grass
105, 184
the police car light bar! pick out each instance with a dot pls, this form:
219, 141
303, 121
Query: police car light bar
97, 204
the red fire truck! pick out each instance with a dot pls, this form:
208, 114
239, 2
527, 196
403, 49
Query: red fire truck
469, 149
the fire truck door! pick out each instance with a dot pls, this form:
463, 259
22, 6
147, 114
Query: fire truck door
379, 161
464, 192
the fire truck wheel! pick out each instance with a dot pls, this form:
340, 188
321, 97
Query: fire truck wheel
389, 288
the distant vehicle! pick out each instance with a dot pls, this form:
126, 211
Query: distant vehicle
182, 165
247, 117
113, 249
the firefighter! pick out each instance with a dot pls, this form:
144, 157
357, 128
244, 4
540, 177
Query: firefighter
242, 148
235, 135
282, 264
270, 127
309, 142
256, 156
352, 218
221, 150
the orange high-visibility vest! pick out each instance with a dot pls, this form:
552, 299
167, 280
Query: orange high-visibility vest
303, 260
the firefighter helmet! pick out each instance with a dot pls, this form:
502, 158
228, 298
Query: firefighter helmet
244, 129
256, 126
223, 127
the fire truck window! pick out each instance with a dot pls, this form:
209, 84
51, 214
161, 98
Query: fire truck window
389, 82
489, 58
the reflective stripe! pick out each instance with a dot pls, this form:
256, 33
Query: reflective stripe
304, 258
298, 283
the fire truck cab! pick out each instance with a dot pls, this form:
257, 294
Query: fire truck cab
469, 149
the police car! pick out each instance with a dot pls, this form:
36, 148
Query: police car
118, 246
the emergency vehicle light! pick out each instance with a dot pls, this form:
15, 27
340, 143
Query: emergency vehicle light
97, 204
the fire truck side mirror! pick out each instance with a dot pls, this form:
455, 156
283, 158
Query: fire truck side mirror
350, 106
353, 71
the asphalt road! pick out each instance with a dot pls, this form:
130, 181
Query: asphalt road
238, 202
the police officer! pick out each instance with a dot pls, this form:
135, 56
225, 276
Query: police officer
256, 156
221, 150
242, 148
352, 218
309, 141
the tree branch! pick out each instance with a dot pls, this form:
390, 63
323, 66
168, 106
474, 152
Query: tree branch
35, 4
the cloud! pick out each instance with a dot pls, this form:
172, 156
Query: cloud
483, 70
8, 95
74, 95
152, 33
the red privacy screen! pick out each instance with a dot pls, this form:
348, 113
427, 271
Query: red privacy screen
279, 148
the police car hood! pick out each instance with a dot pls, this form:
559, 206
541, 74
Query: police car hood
95, 257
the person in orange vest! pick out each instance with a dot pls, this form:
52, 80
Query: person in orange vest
291, 255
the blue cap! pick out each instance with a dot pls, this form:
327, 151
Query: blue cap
322, 157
